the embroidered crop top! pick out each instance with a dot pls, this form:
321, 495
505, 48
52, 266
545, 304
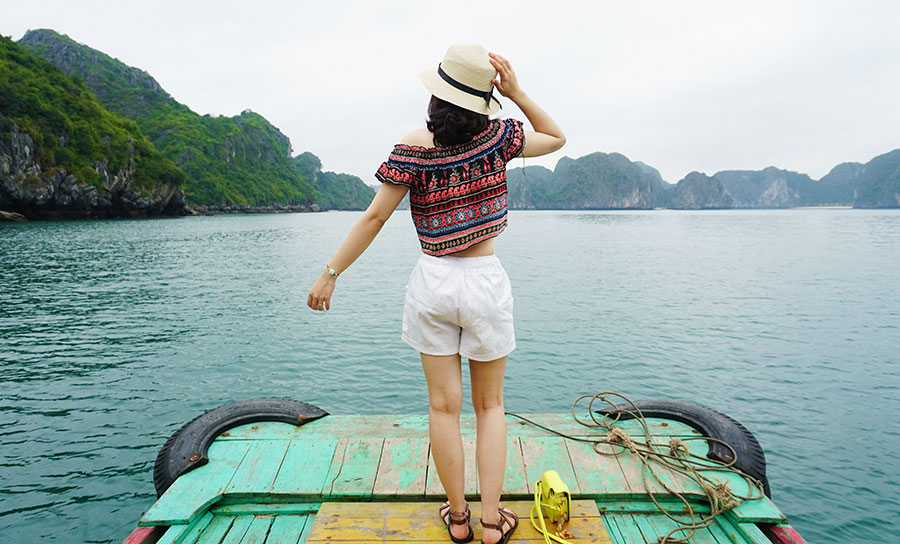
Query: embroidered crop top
457, 194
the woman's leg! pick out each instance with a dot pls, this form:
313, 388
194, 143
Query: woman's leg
487, 399
444, 377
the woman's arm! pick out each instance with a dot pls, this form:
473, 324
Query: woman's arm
547, 137
361, 235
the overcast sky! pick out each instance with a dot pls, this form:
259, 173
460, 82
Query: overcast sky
680, 85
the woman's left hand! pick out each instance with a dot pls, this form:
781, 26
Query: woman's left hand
320, 295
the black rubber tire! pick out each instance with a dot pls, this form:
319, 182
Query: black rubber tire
751, 457
187, 448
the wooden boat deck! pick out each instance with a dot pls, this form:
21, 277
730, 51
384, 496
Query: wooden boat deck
354, 478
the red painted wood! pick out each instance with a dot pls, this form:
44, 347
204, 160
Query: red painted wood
145, 535
785, 534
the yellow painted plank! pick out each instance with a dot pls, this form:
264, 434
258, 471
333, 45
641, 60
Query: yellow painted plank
371, 522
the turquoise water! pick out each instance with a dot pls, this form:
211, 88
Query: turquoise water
115, 333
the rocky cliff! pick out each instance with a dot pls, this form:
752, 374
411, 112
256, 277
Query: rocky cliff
40, 192
698, 191
598, 181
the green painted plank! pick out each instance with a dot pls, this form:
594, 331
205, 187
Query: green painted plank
612, 529
433, 486
627, 528
257, 471
172, 533
305, 466
752, 533
597, 474
406, 425
238, 530
196, 529
276, 508
654, 526
258, 530
543, 453
758, 510
286, 529
193, 492
402, 467
353, 468
514, 480
621, 505
216, 530
310, 521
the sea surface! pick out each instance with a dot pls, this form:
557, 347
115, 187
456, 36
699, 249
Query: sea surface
114, 333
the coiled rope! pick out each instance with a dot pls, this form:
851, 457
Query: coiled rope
674, 455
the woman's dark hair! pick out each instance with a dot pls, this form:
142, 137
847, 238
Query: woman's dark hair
453, 125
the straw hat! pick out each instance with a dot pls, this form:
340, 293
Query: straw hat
464, 78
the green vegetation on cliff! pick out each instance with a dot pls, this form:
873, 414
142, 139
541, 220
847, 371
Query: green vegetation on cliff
335, 191
227, 160
69, 126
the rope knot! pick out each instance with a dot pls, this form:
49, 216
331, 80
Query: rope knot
677, 448
616, 434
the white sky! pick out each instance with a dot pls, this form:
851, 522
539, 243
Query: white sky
680, 85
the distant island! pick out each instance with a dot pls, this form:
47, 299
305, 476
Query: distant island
84, 135
610, 181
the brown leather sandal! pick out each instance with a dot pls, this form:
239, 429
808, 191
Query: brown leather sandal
507, 517
450, 516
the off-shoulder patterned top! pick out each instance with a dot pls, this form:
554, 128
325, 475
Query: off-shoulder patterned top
457, 194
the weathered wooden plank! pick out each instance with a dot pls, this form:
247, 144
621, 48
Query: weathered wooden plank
627, 528
402, 468
596, 474
364, 523
238, 530
433, 486
633, 469
613, 530
195, 491
286, 529
416, 425
515, 481
257, 471
214, 532
305, 466
258, 530
543, 453
193, 531
171, 536
653, 526
354, 466
761, 510
276, 508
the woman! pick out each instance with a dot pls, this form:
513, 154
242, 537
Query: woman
458, 301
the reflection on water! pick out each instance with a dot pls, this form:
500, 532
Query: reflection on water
115, 333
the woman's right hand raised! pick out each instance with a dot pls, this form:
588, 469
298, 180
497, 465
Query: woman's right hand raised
506, 82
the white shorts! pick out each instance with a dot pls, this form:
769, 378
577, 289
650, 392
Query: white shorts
459, 305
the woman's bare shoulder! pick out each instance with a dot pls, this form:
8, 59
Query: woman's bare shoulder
419, 137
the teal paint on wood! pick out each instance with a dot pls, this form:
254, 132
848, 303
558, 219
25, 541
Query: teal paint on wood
257, 471
751, 532
305, 466
195, 491
401, 470
171, 535
238, 530
196, 530
515, 481
353, 468
310, 521
286, 529
416, 425
543, 453
597, 474
216, 530
612, 529
628, 529
259, 528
